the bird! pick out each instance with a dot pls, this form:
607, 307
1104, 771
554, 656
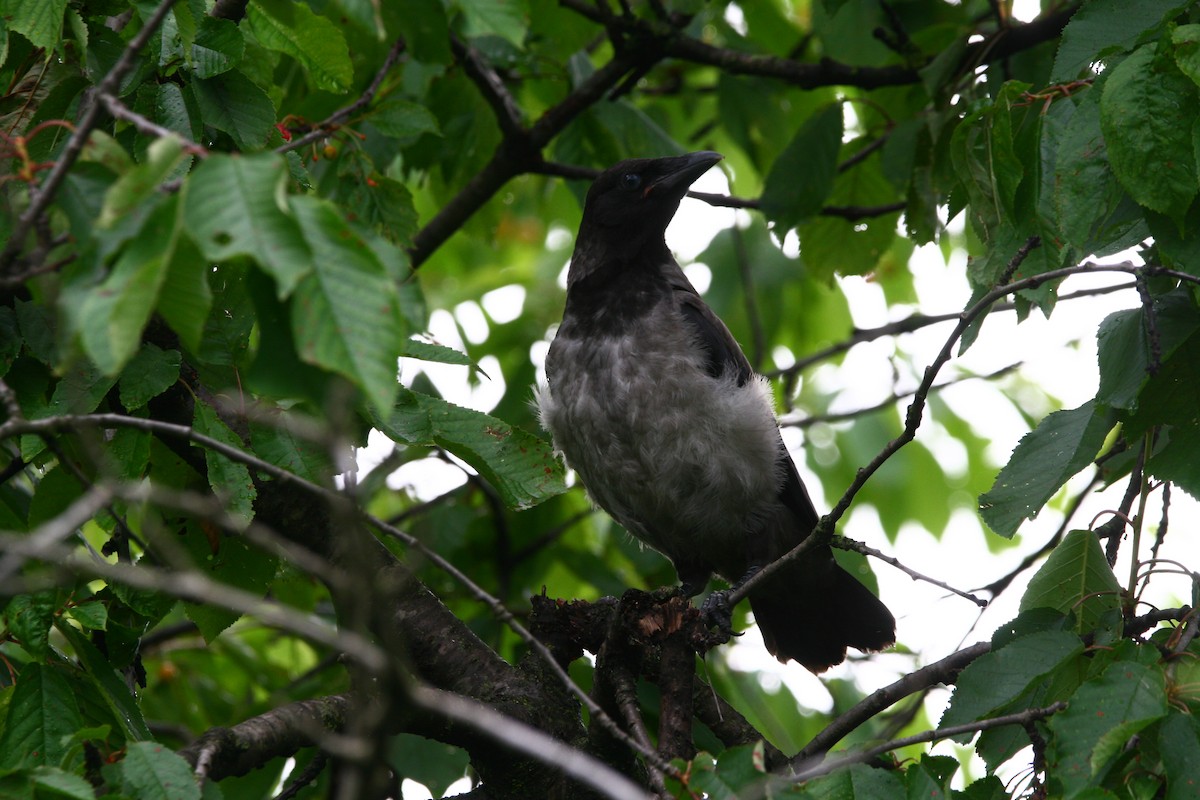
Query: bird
651, 401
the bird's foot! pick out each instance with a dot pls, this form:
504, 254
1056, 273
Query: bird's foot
717, 614
717, 610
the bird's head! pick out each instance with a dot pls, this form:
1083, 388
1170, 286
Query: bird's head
630, 205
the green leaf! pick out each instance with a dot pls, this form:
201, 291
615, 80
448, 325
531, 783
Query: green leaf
229, 479
1104, 27
424, 26
142, 181
185, 297
52, 783
503, 18
1045, 458
520, 466
279, 444
41, 713
229, 560
1101, 717
385, 205
438, 353
40, 22
404, 119
109, 686
233, 103
218, 48
113, 315
1179, 745
801, 179
431, 763
91, 615
150, 771
1125, 351
1176, 461
1076, 579
345, 315
995, 679
315, 42
1147, 113
151, 372
1086, 192
237, 206
857, 782
29, 617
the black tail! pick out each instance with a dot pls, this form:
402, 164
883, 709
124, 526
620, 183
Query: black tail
813, 610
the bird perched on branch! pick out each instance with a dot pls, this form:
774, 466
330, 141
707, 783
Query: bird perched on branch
653, 403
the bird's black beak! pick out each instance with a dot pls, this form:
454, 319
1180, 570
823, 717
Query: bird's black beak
683, 173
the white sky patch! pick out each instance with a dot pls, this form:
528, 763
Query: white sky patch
505, 304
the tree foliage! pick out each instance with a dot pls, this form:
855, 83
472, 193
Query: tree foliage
225, 224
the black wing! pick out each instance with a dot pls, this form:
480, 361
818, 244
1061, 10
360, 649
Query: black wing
725, 354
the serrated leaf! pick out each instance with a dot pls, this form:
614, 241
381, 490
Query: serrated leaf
503, 18
150, 771
41, 713
1101, 28
91, 615
185, 298
113, 315
1045, 459
1147, 112
233, 103
150, 373
1179, 744
142, 181
1076, 579
52, 782
801, 178
345, 315
519, 465
218, 47
39, 22
29, 617
229, 560
997, 678
1122, 350
278, 444
1125, 699
229, 479
237, 206
315, 42
438, 353
109, 686
1086, 192
404, 119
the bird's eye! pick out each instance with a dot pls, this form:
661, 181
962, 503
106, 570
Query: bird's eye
631, 180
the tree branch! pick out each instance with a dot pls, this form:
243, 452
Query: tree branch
43, 195
944, 671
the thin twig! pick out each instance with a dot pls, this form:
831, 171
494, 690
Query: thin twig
1020, 718
824, 530
842, 543
148, 127
339, 117
89, 118
942, 671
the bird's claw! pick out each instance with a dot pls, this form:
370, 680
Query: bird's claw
718, 616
